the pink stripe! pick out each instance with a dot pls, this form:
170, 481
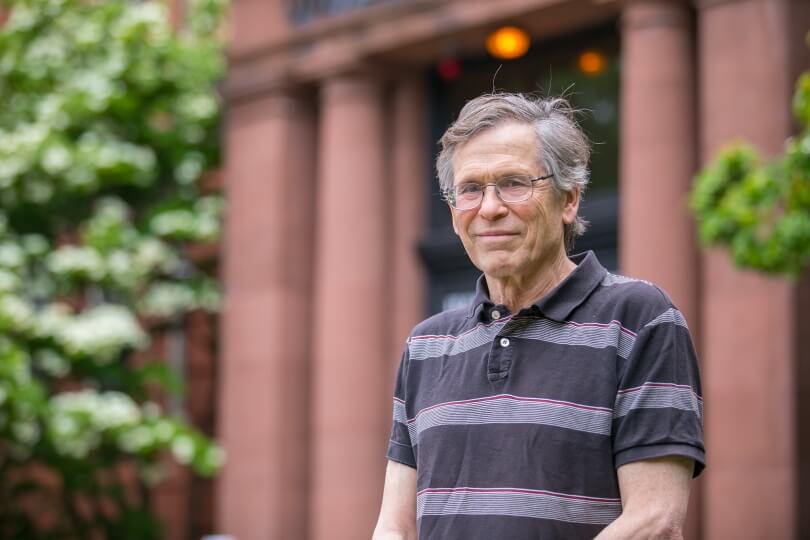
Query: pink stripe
659, 385
399, 400
515, 398
518, 490
473, 329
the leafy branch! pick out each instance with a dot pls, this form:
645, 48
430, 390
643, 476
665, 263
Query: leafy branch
760, 210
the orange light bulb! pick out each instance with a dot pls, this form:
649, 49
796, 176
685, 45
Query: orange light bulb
508, 43
592, 62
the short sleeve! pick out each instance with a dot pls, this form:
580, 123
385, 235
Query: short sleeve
659, 405
399, 446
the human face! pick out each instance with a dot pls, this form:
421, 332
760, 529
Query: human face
510, 240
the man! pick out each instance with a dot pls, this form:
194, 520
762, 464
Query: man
565, 401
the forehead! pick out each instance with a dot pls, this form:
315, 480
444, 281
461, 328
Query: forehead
510, 147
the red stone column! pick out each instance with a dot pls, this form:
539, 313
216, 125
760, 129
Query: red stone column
266, 330
658, 149
409, 165
658, 161
351, 387
749, 331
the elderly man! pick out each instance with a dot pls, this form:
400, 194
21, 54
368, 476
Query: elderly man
564, 401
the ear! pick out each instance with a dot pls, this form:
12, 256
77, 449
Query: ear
453, 219
570, 206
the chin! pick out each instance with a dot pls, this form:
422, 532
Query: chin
496, 269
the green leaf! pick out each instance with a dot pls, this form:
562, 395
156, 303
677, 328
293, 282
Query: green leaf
162, 375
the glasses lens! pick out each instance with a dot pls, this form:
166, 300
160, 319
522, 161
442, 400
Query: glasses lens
513, 188
467, 196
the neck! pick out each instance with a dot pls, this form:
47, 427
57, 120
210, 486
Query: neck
516, 292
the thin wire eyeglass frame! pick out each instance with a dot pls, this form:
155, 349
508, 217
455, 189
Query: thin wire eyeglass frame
449, 195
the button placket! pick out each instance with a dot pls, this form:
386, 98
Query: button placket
500, 355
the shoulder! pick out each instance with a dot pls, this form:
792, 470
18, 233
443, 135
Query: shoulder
635, 302
446, 323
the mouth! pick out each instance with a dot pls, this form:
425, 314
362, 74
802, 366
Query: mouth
496, 236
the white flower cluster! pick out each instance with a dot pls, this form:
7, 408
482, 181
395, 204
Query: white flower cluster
150, 16
101, 332
52, 363
198, 106
80, 167
95, 87
46, 50
186, 450
206, 14
129, 269
126, 268
12, 255
78, 421
110, 212
107, 153
190, 168
19, 149
129, 258
137, 439
168, 298
15, 254
153, 254
22, 18
200, 223
9, 281
16, 313
77, 262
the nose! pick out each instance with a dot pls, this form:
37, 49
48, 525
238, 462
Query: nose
492, 207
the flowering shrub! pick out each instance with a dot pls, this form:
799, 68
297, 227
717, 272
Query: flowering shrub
109, 119
761, 211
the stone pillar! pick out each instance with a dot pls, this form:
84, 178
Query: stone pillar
409, 166
658, 161
266, 328
351, 386
749, 331
658, 149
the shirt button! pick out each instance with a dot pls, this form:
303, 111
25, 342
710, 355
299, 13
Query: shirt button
504, 342
496, 314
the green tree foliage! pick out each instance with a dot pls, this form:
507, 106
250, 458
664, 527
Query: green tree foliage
761, 210
109, 117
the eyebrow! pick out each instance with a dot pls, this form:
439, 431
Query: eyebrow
478, 179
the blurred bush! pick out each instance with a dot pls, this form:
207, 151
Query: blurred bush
109, 119
760, 210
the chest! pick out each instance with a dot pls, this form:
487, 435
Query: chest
527, 358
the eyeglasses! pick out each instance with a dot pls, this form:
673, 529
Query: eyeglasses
510, 189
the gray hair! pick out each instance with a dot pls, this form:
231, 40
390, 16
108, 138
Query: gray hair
563, 149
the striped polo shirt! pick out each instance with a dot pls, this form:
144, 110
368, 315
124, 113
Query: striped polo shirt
516, 422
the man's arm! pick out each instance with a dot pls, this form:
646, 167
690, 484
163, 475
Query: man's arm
397, 519
654, 493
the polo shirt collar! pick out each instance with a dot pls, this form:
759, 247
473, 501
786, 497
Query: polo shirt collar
564, 298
